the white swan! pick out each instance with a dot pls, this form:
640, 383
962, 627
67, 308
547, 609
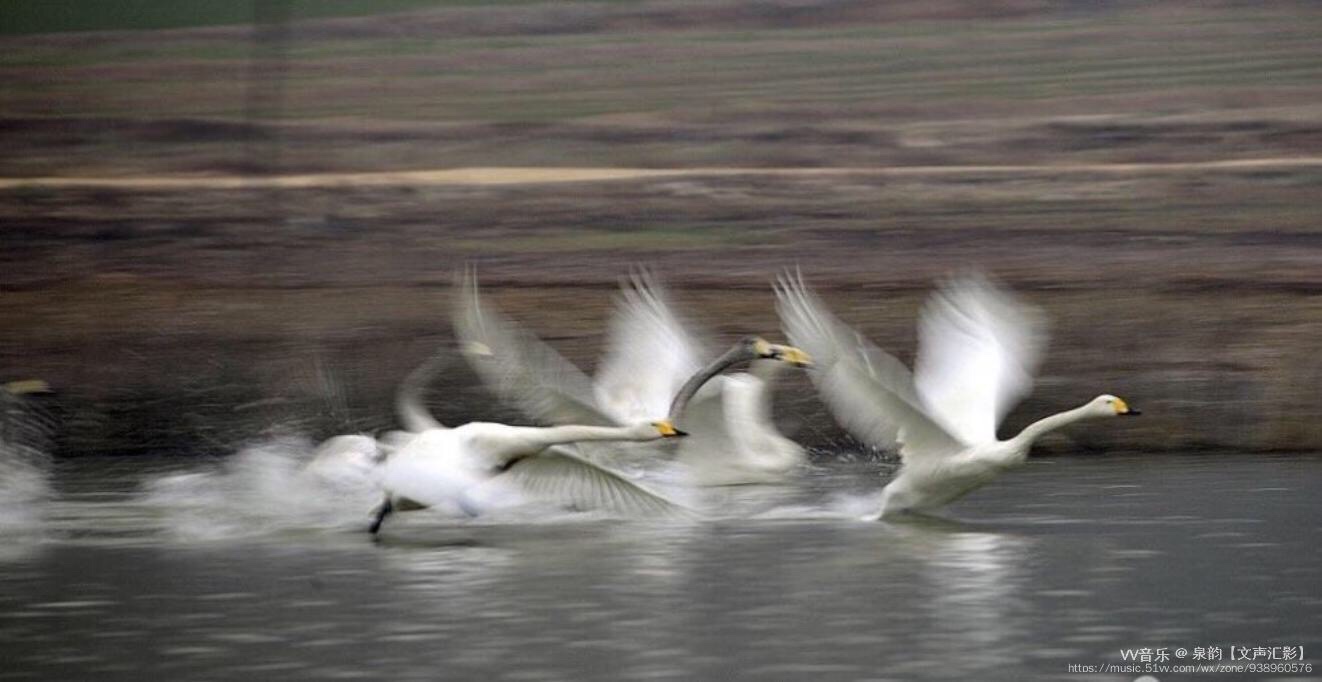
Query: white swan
978, 349
448, 467
650, 357
426, 464
353, 461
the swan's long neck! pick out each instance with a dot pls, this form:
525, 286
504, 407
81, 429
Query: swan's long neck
1022, 442
737, 354
505, 444
563, 435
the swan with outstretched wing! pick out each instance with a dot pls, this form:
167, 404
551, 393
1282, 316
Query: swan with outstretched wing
651, 358
979, 348
458, 468
480, 466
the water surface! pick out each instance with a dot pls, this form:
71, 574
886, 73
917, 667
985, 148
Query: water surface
1067, 561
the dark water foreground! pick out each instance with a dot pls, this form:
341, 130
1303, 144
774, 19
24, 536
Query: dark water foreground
133, 573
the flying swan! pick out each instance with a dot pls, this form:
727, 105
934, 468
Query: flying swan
428, 465
978, 350
652, 366
442, 467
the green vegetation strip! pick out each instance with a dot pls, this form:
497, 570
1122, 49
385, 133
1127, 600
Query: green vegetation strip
26, 17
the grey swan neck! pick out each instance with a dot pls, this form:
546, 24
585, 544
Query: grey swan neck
740, 352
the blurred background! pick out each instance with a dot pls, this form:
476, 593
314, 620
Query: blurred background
223, 216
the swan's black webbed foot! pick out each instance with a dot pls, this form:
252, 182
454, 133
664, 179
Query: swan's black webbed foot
379, 515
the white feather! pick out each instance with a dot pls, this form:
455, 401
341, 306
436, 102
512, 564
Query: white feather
522, 370
870, 393
978, 351
566, 479
649, 354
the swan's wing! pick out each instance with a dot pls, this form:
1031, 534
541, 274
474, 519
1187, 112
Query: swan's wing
560, 476
519, 368
978, 350
410, 405
869, 400
870, 393
649, 353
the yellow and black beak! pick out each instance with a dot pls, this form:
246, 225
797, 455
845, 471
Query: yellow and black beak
795, 356
1124, 410
667, 429
763, 349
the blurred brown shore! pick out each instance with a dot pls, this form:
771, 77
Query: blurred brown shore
195, 249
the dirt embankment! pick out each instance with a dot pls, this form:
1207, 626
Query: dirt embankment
232, 227
192, 318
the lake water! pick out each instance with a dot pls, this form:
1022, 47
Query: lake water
134, 569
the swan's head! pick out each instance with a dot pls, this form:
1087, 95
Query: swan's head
764, 350
666, 429
1110, 406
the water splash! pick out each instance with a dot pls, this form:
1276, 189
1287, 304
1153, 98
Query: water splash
281, 485
24, 491
25, 466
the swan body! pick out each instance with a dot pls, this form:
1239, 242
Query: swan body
929, 484
348, 461
467, 468
650, 357
979, 348
449, 468
436, 468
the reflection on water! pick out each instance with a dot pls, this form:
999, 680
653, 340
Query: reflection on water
1067, 561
